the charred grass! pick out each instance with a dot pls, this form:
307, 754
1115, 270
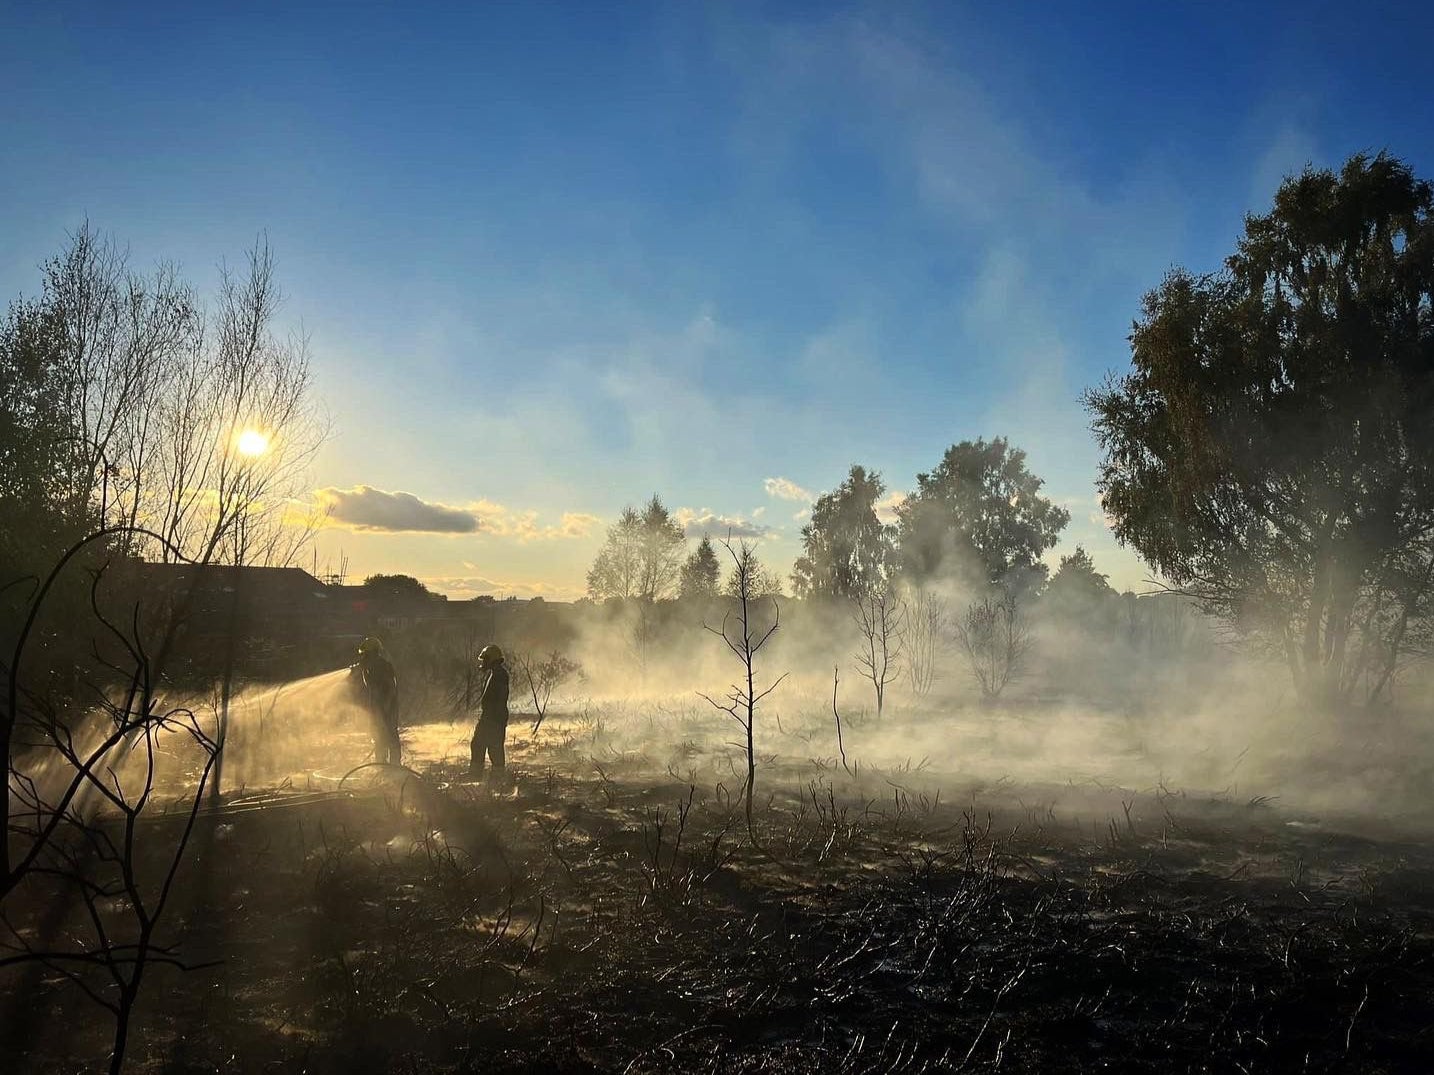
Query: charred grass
594, 918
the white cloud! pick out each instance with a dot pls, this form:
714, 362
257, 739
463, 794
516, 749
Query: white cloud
705, 521
786, 489
887, 505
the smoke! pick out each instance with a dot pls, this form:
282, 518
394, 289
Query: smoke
306, 734
1143, 699
1120, 702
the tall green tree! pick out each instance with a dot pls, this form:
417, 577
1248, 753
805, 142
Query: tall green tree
1272, 450
846, 549
642, 556
979, 513
701, 572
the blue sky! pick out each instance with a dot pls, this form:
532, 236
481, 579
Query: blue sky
553, 258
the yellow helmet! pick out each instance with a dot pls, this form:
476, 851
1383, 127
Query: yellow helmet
370, 645
490, 655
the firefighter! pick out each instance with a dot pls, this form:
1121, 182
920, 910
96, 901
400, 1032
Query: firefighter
492, 713
377, 688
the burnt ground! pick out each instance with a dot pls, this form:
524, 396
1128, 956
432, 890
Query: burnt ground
595, 917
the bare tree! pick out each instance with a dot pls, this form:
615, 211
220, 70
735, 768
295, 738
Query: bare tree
995, 638
118, 338
195, 425
541, 677
925, 636
880, 615
745, 638
460, 668
239, 433
78, 786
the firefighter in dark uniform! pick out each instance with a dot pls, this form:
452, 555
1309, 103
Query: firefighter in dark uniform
492, 713
376, 686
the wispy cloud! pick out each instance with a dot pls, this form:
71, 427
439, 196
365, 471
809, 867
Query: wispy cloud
365, 508
786, 489
524, 526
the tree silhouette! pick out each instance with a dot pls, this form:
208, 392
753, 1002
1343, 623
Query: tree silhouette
1077, 586
1272, 451
396, 586
701, 572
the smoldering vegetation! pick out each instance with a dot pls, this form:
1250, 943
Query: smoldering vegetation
1084, 873
611, 912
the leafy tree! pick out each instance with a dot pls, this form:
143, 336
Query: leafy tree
980, 511
701, 572
396, 586
1272, 451
662, 546
642, 556
154, 392
846, 550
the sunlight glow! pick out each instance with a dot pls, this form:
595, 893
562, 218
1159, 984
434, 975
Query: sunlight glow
252, 443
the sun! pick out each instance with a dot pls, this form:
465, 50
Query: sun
251, 442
